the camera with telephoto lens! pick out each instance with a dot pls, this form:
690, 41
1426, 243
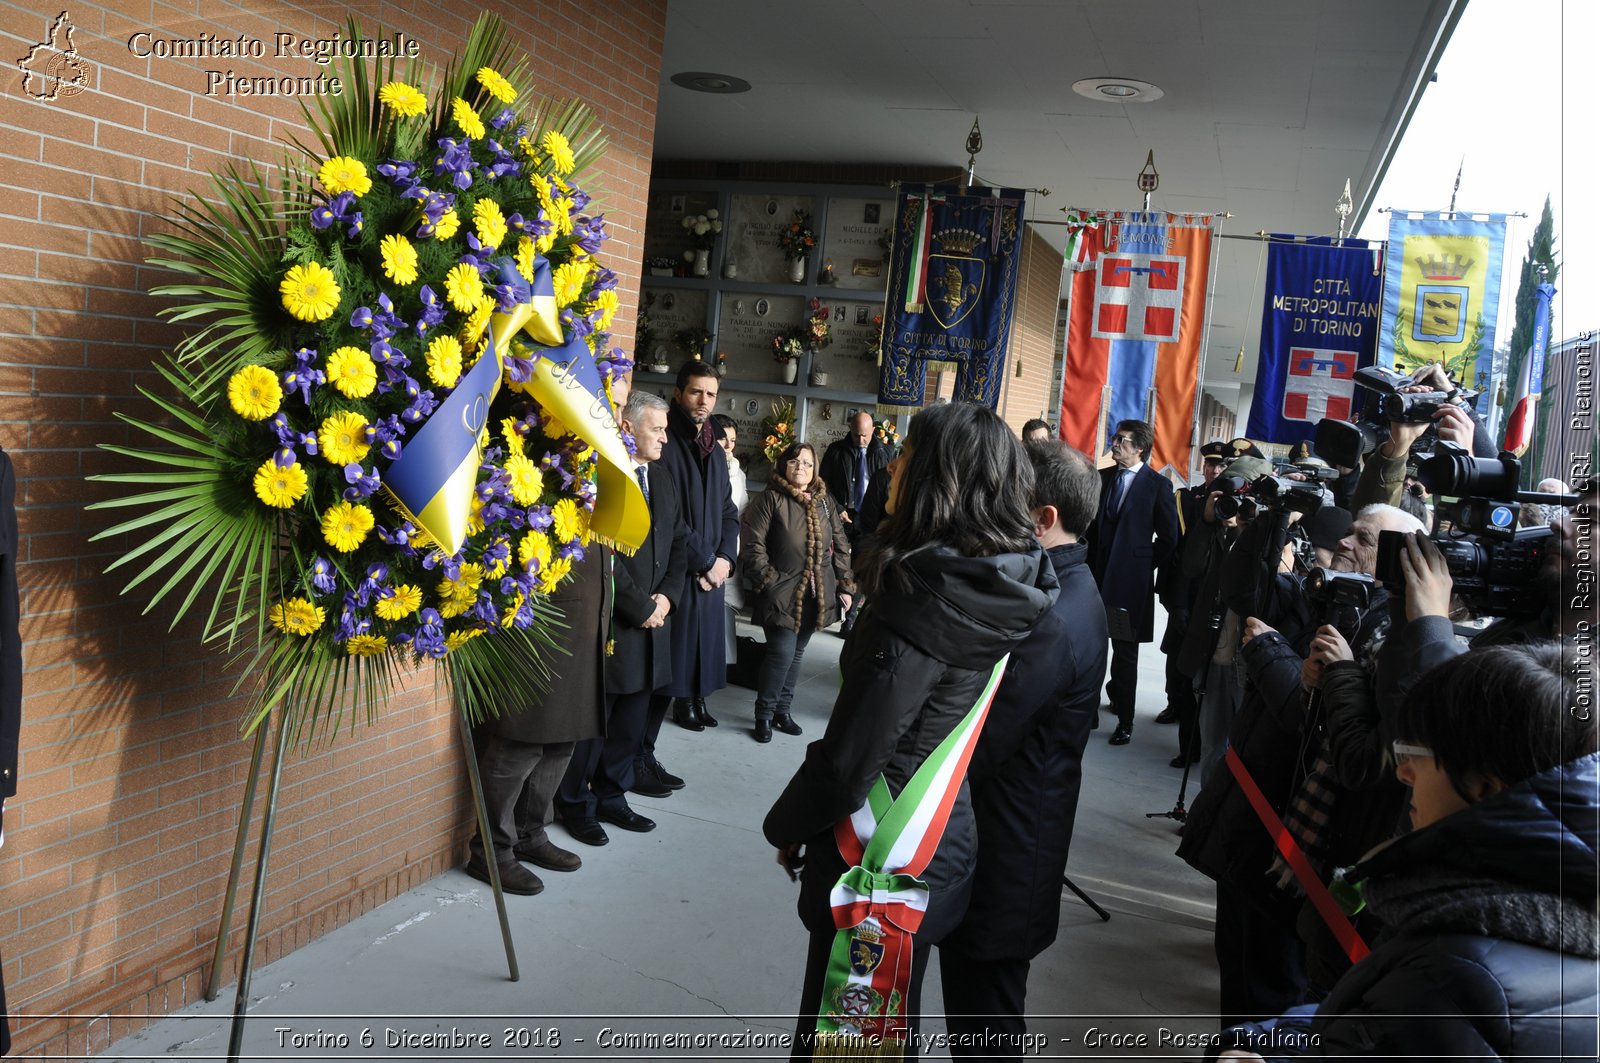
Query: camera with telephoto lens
1236, 499
1291, 496
1408, 407
1493, 563
1339, 597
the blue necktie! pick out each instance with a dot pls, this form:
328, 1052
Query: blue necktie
861, 478
1120, 491
644, 482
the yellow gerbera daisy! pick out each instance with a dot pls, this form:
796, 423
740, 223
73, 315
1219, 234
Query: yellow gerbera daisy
585, 533
345, 525
508, 617
554, 573
511, 430
406, 599
565, 516
527, 482
351, 370
449, 225
533, 553
399, 259
569, 280
496, 83
309, 292
556, 145
444, 361
456, 639
544, 243
344, 174
402, 99
456, 596
525, 255
366, 645
344, 438
467, 119
473, 328
296, 616
562, 217
490, 222
254, 393
463, 286
552, 426
280, 488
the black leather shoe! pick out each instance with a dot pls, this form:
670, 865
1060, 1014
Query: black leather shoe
684, 716
550, 856
626, 818
665, 777
763, 731
785, 723
1167, 715
649, 786
514, 878
703, 714
1122, 735
587, 830
1179, 761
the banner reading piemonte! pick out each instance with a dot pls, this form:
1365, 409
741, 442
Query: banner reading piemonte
1319, 324
1441, 293
952, 294
1136, 323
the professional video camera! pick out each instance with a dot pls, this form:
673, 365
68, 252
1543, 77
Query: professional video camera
1493, 563
1268, 492
1410, 407
1346, 443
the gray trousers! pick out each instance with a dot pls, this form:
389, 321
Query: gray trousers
519, 781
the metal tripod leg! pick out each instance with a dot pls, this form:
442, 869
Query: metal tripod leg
241, 999
490, 857
1105, 916
225, 924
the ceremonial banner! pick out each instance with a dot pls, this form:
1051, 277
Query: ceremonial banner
952, 293
1530, 384
1441, 293
1137, 321
1319, 324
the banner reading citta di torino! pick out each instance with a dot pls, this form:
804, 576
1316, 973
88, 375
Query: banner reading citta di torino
1319, 324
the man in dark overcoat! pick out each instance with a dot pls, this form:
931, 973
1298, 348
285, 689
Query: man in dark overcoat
847, 469
1136, 530
1025, 774
523, 753
699, 471
647, 586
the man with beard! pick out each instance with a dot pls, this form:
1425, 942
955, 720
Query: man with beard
699, 469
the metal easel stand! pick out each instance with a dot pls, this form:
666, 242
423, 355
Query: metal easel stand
258, 895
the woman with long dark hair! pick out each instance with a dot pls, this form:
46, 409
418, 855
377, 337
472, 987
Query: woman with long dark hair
796, 564
954, 579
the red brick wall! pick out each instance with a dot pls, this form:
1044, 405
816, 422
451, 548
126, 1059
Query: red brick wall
118, 840
1033, 335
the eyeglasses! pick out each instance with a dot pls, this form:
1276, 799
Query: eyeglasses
801, 463
1121, 439
1404, 751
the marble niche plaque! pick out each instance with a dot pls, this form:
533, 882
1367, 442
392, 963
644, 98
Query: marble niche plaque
752, 230
849, 367
664, 234
746, 324
748, 408
667, 311
854, 241
828, 420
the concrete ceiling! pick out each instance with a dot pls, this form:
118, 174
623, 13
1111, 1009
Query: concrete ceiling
1269, 105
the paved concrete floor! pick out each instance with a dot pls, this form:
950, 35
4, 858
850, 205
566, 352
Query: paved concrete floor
691, 929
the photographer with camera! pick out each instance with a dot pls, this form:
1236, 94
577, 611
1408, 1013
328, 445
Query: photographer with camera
1429, 400
1276, 740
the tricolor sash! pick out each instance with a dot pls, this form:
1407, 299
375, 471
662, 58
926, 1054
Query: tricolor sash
878, 904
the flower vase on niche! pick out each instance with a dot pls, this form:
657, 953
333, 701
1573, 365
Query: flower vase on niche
819, 375
797, 270
791, 369
702, 262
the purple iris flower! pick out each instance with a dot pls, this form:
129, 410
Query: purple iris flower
362, 483
400, 537
539, 518
455, 159
433, 309
352, 623
573, 550
484, 609
353, 230
400, 174
604, 279
372, 586
428, 639
322, 217
503, 119
322, 580
361, 318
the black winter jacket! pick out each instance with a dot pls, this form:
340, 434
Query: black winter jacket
913, 667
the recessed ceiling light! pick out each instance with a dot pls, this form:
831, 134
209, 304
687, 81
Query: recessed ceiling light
705, 81
1118, 90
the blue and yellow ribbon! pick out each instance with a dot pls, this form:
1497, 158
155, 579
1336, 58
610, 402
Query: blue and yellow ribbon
433, 480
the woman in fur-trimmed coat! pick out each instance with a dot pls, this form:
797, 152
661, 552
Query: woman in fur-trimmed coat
795, 562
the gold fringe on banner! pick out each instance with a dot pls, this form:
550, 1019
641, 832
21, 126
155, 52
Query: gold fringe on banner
849, 1046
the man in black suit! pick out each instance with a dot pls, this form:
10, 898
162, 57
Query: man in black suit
648, 586
1136, 529
1025, 775
848, 466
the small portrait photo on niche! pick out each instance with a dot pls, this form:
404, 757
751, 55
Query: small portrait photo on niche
838, 313
738, 306
863, 314
762, 307
772, 208
668, 301
869, 214
677, 204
